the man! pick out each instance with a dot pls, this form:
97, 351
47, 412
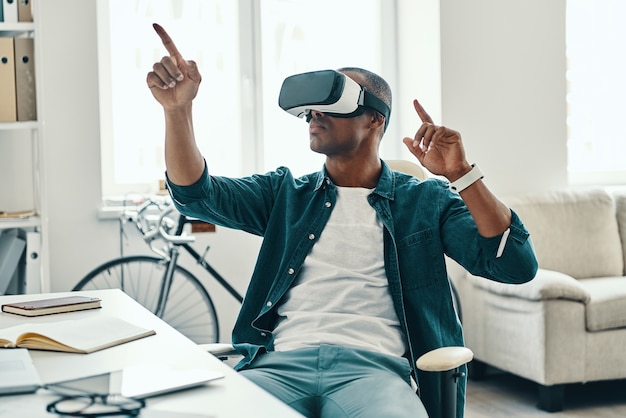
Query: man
350, 286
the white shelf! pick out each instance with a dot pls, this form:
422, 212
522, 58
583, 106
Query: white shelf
17, 26
24, 223
16, 126
10, 29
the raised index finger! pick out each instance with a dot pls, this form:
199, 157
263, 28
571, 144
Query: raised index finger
167, 41
425, 117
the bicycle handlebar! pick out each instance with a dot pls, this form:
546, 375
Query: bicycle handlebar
174, 239
152, 231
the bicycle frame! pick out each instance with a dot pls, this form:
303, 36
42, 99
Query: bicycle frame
159, 230
166, 283
183, 220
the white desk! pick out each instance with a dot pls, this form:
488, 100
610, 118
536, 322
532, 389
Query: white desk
232, 396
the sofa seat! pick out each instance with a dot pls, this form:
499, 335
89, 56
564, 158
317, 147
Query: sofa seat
606, 308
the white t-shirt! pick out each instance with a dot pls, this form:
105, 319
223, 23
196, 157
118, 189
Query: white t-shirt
341, 295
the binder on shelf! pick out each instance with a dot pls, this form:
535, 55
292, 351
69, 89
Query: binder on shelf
9, 9
26, 99
8, 100
24, 11
11, 249
33, 263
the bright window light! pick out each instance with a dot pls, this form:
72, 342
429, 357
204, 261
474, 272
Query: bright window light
596, 65
244, 49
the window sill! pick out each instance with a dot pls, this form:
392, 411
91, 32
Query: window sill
114, 206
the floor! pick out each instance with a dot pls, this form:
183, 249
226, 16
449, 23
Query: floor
505, 395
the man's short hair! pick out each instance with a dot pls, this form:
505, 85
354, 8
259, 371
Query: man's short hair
374, 83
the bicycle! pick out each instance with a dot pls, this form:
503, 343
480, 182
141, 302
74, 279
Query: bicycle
159, 283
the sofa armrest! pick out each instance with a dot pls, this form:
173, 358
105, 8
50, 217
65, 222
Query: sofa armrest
547, 284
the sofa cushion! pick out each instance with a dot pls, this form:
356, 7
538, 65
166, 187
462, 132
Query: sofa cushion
547, 284
574, 232
606, 308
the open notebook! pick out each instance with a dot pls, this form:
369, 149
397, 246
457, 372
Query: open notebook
84, 335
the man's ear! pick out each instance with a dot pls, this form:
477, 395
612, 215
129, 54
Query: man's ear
377, 119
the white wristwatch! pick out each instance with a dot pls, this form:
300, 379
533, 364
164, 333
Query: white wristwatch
467, 180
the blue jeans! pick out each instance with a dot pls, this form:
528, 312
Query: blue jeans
334, 382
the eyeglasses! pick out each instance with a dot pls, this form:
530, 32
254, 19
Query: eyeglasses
96, 406
93, 405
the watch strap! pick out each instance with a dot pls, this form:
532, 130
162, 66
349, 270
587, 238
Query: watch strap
467, 180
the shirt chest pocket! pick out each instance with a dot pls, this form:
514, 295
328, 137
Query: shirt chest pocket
420, 260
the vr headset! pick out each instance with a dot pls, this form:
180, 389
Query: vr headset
330, 92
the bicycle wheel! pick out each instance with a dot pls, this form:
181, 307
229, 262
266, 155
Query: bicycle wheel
188, 308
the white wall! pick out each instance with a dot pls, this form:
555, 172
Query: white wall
419, 62
503, 87
67, 45
501, 77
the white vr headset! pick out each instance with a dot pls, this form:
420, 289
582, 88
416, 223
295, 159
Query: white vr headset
330, 92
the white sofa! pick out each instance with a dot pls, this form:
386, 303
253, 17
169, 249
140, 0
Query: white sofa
569, 323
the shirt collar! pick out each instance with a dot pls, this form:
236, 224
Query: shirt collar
384, 188
322, 179
386, 183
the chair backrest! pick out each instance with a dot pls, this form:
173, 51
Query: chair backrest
407, 167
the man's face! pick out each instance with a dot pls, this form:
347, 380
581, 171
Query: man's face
332, 136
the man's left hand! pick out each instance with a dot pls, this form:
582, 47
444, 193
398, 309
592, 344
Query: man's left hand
439, 149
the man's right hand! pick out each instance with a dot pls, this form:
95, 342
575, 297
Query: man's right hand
173, 81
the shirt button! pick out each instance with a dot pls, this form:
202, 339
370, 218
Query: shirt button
311, 237
263, 335
291, 271
328, 204
268, 304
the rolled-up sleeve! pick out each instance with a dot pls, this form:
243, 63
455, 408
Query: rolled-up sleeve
509, 257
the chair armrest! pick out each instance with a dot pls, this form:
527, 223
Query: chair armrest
444, 358
219, 349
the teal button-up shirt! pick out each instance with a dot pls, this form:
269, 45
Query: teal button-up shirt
423, 220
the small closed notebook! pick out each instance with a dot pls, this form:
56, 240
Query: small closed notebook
52, 305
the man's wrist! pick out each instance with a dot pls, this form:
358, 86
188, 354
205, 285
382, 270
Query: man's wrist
467, 179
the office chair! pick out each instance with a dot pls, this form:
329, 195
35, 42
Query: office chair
445, 360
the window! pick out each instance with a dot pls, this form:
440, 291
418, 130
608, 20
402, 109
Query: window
132, 125
244, 50
596, 64
297, 39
